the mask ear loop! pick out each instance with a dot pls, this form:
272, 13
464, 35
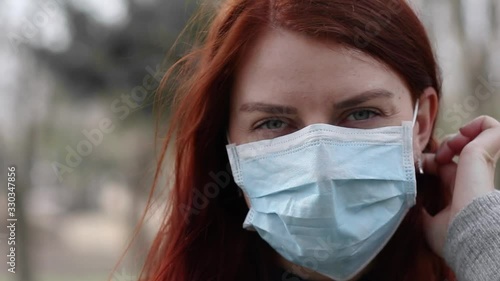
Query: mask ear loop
415, 113
419, 161
420, 167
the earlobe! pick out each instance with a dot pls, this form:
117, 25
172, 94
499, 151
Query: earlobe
426, 117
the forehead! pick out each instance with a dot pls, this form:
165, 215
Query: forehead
283, 62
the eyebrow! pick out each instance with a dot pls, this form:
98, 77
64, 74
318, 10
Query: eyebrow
268, 108
289, 110
364, 97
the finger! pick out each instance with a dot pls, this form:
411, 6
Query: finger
454, 146
451, 147
429, 164
445, 139
485, 132
476, 170
486, 146
444, 142
446, 172
478, 125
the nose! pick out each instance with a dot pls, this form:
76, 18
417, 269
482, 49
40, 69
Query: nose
318, 116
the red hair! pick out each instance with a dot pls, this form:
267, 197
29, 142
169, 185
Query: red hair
201, 237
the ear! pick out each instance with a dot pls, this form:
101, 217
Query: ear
426, 116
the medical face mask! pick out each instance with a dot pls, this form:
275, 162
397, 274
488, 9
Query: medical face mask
328, 198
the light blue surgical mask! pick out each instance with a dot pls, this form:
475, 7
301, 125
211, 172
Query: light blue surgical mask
326, 197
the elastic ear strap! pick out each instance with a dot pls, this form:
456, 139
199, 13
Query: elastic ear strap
247, 223
415, 113
227, 137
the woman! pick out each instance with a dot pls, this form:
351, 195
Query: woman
322, 112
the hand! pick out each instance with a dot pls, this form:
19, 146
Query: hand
478, 146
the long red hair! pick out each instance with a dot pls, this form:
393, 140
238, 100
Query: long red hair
201, 237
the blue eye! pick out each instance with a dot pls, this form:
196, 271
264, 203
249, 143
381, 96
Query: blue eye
272, 124
361, 115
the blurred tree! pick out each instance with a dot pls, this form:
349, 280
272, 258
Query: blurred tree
101, 63
110, 57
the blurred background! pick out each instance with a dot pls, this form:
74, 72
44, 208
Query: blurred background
76, 118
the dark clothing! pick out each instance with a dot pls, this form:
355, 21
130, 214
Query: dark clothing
279, 274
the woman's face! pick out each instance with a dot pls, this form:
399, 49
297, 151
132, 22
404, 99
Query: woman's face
287, 81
